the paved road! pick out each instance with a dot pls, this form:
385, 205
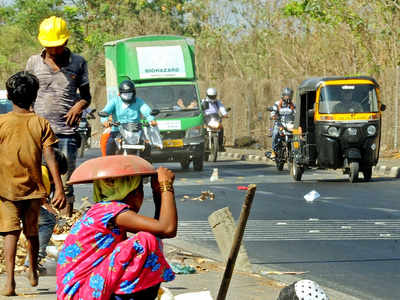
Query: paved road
348, 239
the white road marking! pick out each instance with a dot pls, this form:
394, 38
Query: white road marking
272, 230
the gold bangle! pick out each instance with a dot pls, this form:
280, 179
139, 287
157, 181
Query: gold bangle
166, 186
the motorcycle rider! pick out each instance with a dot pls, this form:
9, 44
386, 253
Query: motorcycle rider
282, 107
215, 107
124, 108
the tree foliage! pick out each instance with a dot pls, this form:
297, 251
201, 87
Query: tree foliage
252, 40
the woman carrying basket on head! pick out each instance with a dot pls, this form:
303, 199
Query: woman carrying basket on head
98, 260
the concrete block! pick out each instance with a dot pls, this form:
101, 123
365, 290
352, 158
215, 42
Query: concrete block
237, 155
382, 170
223, 226
395, 172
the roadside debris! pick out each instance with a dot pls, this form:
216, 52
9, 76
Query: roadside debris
242, 188
311, 196
282, 273
182, 269
205, 195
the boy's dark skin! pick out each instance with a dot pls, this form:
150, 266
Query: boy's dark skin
11, 238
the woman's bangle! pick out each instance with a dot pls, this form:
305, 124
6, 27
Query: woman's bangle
166, 186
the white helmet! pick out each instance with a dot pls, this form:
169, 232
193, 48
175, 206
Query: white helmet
212, 93
303, 289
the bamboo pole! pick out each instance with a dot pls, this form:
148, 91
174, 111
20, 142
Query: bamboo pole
237, 240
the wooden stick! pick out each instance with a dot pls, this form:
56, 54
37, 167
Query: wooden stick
237, 240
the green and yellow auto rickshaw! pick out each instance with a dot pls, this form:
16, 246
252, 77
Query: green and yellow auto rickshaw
338, 123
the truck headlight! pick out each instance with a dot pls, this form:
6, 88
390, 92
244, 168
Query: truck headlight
193, 132
333, 131
371, 130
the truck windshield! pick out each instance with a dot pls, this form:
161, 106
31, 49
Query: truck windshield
169, 97
359, 98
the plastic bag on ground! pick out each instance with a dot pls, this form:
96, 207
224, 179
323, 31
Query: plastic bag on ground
206, 295
311, 196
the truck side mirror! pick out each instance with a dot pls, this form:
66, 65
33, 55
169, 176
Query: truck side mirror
155, 112
205, 105
383, 107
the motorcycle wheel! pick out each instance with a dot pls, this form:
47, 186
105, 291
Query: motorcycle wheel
295, 171
206, 156
367, 172
81, 149
279, 164
354, 168
214, 148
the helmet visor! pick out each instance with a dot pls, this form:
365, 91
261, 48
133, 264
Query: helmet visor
127, 97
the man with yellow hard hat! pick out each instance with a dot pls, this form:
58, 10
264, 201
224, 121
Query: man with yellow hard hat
61, 74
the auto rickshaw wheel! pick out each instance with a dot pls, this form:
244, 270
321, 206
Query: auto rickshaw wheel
354, 168
295, 171
367, 172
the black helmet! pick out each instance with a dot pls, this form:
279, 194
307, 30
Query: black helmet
127, 91
287, 92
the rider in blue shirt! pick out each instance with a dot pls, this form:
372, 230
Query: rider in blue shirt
125, 108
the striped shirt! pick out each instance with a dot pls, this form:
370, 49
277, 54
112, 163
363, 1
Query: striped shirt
58, 89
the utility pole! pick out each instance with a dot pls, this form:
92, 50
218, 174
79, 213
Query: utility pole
396, 108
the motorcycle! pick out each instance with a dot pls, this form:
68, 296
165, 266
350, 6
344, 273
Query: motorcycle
135, 138
213, 128
283, 153
85, 132
213, 124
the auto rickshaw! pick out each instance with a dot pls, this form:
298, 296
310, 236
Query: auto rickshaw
338, 125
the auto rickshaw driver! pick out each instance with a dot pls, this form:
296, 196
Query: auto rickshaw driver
348, 105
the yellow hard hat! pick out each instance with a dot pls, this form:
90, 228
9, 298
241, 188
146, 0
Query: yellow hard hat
53, 32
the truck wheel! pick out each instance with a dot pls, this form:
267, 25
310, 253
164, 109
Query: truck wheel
354, 168
367, 172
185, 164
198, 163
295, 171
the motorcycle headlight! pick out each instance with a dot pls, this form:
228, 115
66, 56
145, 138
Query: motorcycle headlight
213, 124
371, 130
193, 132
333, 131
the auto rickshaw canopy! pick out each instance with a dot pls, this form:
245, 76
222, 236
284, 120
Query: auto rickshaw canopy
111, 166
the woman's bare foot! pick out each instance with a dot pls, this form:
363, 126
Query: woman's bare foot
33, 277
9, 290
